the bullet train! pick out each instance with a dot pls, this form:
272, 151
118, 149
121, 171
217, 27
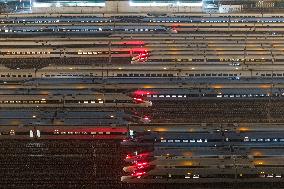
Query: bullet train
138, 17
144, 71
64, 132
100, 54
189, 174
206, 139
108, 100
81, 29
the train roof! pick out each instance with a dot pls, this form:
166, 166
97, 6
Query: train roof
94, 96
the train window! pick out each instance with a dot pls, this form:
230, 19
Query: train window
19, 76
220, 74
197, 75
214, 75
14, 76
2, 75
30, 76
202, 74
159, 75
268, 74
153, 75
171, 75
225, 74
24, 75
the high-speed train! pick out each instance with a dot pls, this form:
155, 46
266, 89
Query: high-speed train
189, 174
99, 100
140, 17
103, 53
63, 132
144, 71
82, 29
206, 139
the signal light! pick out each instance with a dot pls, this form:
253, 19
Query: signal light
146, 118
138, 174
139, 164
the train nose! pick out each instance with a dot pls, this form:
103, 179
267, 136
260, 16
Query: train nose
149, 103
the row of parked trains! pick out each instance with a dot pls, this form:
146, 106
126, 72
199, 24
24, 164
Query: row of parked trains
172, 160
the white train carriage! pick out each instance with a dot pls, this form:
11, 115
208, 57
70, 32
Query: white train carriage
104, 100
30, 101
30, 52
